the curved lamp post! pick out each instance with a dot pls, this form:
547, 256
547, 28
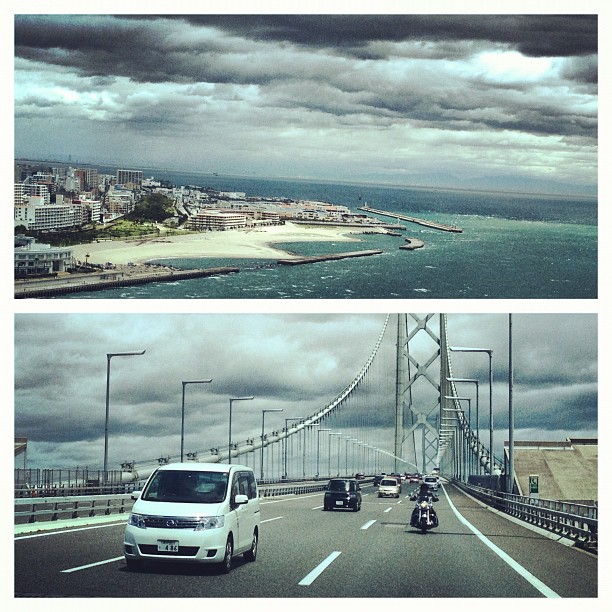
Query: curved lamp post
285, 440
466, 439
319, 431
263, 418
477, 383
489, 352
185, 383
108, 364
333, 433
229, 444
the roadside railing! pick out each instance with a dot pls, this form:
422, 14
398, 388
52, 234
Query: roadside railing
577, 522
41, 509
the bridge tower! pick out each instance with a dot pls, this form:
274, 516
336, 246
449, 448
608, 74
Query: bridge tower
422, 370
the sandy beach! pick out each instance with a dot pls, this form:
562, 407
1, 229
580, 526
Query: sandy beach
255, 242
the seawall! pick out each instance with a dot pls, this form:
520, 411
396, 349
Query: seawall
99, 282
318, 258
424, 222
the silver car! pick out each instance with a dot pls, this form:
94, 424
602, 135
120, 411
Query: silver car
432, 482
389, 487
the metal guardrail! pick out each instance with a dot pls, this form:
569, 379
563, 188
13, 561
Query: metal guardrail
577, 522
39, 509
43, 509
297, 489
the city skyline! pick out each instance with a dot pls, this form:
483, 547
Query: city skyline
473, 101
297, 362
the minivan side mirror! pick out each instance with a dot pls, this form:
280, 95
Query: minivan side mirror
136, 495
239, 500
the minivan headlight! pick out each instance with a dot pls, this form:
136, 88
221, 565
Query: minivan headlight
209, 522
137, 520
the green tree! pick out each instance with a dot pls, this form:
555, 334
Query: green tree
153, 207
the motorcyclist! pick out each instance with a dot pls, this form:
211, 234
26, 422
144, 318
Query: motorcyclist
424, 494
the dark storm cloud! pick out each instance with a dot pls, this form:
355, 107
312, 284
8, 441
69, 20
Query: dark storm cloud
311, 87
156, 49
299, 363
546, 35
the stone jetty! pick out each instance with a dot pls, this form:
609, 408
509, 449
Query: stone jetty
318, 258
424, 222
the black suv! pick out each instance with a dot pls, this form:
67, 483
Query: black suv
342, 493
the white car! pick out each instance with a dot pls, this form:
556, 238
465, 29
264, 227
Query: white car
389, 487
194, 512
432, 482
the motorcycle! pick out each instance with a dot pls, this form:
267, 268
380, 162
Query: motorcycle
424, 516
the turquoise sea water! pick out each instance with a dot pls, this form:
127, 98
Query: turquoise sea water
523, 247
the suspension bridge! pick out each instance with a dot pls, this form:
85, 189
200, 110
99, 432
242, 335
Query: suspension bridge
404, 411
400, 413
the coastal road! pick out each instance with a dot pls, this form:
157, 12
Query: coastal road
305, 552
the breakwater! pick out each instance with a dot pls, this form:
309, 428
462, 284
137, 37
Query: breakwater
424, 222
412, 244
306, 260
112, 281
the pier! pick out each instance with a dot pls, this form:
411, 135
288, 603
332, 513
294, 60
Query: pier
424, 222
318, 258
412, 244
98, 282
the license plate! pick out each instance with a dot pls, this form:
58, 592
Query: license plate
167, 545
339, 503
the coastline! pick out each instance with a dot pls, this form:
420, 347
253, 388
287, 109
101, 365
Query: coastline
238, 243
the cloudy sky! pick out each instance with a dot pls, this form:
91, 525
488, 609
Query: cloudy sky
292, 361
473, 101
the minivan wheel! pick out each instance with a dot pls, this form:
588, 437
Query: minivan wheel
251, 554
226, 564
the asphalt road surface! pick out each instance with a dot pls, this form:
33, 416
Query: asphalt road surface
306, 552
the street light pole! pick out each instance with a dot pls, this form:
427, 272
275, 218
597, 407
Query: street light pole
450, 432
477, 382
510, 474
263, 418
333, 433
229, 445
185, 383
489, 352
285, 442
306, 428
108, 364
466, 439
319, 448
347, 439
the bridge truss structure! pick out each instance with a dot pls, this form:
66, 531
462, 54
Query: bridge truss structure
391, 417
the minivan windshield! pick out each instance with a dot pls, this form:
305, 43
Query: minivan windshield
187, 487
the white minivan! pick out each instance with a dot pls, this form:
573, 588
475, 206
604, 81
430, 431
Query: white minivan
194, 512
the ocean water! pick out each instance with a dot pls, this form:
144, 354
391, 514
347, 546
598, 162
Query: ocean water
512, 247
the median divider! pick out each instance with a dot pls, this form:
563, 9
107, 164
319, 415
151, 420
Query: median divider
51, 513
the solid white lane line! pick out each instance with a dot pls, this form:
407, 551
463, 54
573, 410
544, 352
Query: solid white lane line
368, 524
317, 571
517, 567
276, 518
82, 567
